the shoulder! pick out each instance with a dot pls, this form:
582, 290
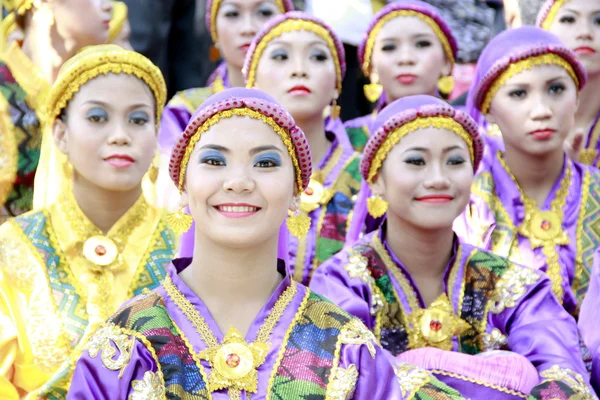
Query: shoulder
143, 310
29, 222
191, 99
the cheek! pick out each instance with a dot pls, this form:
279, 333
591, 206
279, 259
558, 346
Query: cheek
200, 184
269, 76
432, 61
325, 80
400, 184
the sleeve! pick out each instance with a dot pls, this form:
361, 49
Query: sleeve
8, 345
538, 327
588, 319
332, 281
115, 365
476, 224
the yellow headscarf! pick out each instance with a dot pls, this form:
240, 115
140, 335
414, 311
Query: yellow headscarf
54, 173
18, 6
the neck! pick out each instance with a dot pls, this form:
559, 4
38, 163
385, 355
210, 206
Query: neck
314, 129
46, 49
103, 208
235, 76
589, 104
536, 175
424, 253
234, 275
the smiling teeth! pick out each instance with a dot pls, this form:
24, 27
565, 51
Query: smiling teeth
238, 209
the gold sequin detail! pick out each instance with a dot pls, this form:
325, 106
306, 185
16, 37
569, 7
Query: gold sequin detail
343, 384
357, 267
511, 287
492, 341
149, 388
240, 112
551, 16
103, 340
394, 137
404, 13
292, 25
520, 66
355, 332
411, 379
573, 379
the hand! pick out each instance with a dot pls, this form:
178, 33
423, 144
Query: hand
574, 144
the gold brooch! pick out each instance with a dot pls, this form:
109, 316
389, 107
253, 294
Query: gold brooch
100, 250
314, 195
436, 325
234, 363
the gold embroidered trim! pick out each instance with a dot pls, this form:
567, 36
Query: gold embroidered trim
404, 13
494, 340
579, 266
486, 384
552, 12
343, 384
511, 287
571, 378
394, 137
150, 387
556, 236
285, 341
355, 332
411, 379
103, 340
240, 112
357, 267
520, 66
292, 25
28, 76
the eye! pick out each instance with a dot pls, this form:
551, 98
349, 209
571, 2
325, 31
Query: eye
97, 115
456, 160
279, 55
556, 88
597, 19
265, 12
423, 43
415, 160
517, 93
388, 47
213, 158
269, 160
139, 118
567, 19
319, 55
231, 12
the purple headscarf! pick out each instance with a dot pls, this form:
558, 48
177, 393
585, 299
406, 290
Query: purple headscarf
508, 48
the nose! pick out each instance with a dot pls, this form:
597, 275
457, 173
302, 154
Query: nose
250, 25
405, 55
585, 30
436, 178
299, 67
239, 182
540, 109
119, 136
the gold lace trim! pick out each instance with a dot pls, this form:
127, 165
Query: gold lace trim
343, 383
520, 66
292, 25
579, 266
571, 378
394, 137
511, 287
404, 13
240, 112
150, 387
486, 384
552, 12
411, 379
108, 339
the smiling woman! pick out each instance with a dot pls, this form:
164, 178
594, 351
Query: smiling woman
236, 324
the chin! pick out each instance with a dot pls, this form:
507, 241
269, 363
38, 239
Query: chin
237, 238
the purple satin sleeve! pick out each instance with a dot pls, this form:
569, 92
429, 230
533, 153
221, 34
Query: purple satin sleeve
173, 122
351, 294
539, 328
588, 321
92, 380
476, 224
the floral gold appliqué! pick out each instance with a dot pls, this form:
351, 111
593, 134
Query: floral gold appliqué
103, 340
573, 379
411, 379
149, 388
511, 287
494, 340
343, 384
357, 333
357, 268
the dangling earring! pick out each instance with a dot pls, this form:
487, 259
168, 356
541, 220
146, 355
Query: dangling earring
153, 171
446, 84
336, 110
376, 206
44, 15
179, 222
298, 224
214, 53
373, 90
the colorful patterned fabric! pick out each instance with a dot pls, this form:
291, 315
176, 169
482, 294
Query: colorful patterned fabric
359, 136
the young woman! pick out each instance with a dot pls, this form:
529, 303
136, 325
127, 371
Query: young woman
53, 31
407, 50
299, 60
530, 203
415, 284
234, 323
577, 24
65, 268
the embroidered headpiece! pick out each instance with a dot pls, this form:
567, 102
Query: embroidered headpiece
548, 13
18, 6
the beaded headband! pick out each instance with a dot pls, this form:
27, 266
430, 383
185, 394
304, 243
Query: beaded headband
409, 9
18, 6
212, 9
548, 13
263, 110
94, 61
291, 22
427, 116
507, 67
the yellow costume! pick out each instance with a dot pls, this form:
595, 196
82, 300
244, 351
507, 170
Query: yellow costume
60, 276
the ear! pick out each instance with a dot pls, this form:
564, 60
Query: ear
490, 118
184, 200
295, 203
61, 137
447, 67
378, 185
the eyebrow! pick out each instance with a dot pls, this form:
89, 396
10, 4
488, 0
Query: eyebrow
425, 150
260, 149
527, 84
414, 36
104, 103
216, 147
288, 43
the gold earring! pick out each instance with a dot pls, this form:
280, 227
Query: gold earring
179, 222
153, 171
214, 53
446, 84
373, 90
298, 224
336, 110
376, 206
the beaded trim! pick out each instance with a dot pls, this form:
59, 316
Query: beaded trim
292, 25
522, 65
548, 13
241, 112
420, 123
372, 35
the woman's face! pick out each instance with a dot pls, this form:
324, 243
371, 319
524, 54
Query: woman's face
109, 132
85, 22
408, 58
535, 110
577, 24
298, 69
237, 22
239, 183
426, 179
